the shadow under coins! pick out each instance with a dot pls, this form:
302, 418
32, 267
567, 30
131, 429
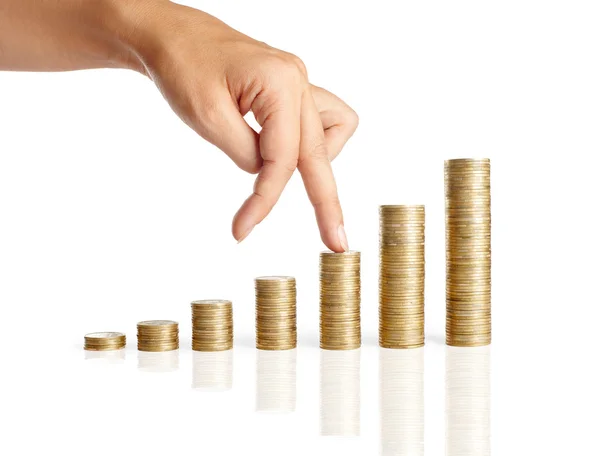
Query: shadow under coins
340, 393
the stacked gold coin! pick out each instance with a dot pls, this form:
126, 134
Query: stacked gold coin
468, 252
103, 341
340, 300
212, 325
275, 313
158, 335
401, 276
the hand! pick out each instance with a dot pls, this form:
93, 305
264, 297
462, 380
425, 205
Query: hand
212, 76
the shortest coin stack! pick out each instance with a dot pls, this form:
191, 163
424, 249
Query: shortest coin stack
275, 313
102, 341
158, 335
212, 325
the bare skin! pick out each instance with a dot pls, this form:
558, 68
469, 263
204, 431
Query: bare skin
211, 75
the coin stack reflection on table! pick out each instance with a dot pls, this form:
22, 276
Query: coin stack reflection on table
468, 252
340, 301
212, 371
401, 276
275, 313
468, 401
212, 325
158, 335
402, 402
275, 380
103, 341
339, 393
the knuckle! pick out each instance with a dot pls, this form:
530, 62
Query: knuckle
206, 113
352, 120
266, 200
291, 165
251, 167
288, 165
288, 67
299, 64
319, 152
332, 202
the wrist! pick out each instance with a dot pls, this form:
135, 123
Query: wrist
127, 26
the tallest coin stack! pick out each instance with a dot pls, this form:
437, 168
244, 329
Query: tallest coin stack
468, 252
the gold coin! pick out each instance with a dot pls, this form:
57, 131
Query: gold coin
468, 252
104, 341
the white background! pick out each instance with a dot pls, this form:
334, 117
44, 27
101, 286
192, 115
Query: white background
112, 212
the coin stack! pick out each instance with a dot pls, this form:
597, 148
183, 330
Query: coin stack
340, 300
468, 252
401, 276
158, 335
103, 341
212, 325
275, 313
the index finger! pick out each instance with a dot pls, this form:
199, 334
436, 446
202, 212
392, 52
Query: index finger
279, 147
315, 168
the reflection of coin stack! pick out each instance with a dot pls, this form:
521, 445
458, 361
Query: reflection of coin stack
468, 401
340, 300
276, 381
275, 313
158, 335
402, 402
340, 393
101, 341
212, 325
110, 356
401, 276
212, 371
468, 252
161, 361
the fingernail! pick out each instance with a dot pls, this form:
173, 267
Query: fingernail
343, 238
245, 235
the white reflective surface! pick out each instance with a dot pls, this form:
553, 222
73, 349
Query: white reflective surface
158, 361
402, 402
212, 371
468, 401
340, 392
111, 356
275, 380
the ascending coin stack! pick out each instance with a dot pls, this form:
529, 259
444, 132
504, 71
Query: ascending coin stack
275, 313
158, 335
468, 252
401, 285
212, 325
401, 276
340, 300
